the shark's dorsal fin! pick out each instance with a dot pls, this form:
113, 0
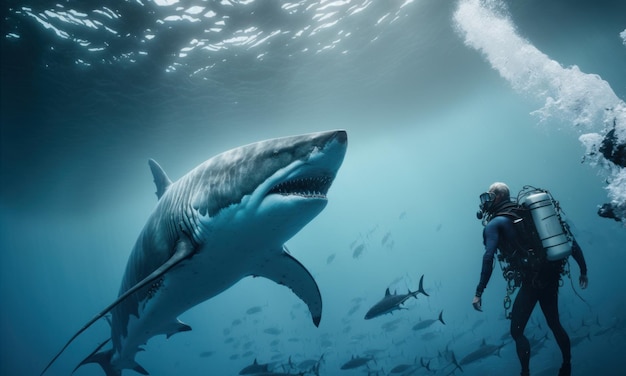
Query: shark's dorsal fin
184, 249
161, 180
387, 293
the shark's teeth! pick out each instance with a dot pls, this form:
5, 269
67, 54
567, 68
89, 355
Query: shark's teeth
315, 187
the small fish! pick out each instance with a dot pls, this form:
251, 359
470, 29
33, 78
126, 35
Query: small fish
358, 250
356, 362
429, 336
401, 368
253, 310
386, 238
391, 325
273, 331
354, 309
426, 323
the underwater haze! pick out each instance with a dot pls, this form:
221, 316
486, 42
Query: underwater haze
439, 98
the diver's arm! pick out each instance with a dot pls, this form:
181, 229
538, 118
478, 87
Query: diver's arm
490, 238
577, 254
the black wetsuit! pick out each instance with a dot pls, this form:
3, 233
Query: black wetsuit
539, 285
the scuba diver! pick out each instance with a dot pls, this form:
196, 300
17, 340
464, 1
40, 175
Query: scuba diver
537, 275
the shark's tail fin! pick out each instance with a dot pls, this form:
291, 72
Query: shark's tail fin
103, 358
441, 317
454, 362
421, 286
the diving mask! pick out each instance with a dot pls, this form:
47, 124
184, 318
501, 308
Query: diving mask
486, 202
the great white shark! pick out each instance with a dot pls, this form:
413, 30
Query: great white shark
226, 219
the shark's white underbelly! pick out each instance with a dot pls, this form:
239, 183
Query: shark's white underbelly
192, 282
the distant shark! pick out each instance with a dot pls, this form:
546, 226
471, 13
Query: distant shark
482, 352
226, 219
392, 302
426, 323
255, 368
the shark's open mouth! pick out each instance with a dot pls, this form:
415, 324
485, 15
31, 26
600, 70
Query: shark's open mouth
314, 187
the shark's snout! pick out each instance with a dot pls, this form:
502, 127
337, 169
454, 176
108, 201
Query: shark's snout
314, 176
341, 136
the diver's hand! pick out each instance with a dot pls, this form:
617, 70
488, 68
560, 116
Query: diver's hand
477, 303
584, 281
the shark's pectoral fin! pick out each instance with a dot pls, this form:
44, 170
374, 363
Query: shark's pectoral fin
184, 249
286, 270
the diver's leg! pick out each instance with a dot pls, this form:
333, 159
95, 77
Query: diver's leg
522, 308
549, 303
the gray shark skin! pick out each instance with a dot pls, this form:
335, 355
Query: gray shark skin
392, 302
226, 219
255, 368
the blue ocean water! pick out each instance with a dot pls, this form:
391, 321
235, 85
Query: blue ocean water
439, 98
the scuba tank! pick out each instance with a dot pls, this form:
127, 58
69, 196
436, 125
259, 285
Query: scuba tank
553, 232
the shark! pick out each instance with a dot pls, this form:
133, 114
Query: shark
392, 302
255, 368
226, 219
482, 352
